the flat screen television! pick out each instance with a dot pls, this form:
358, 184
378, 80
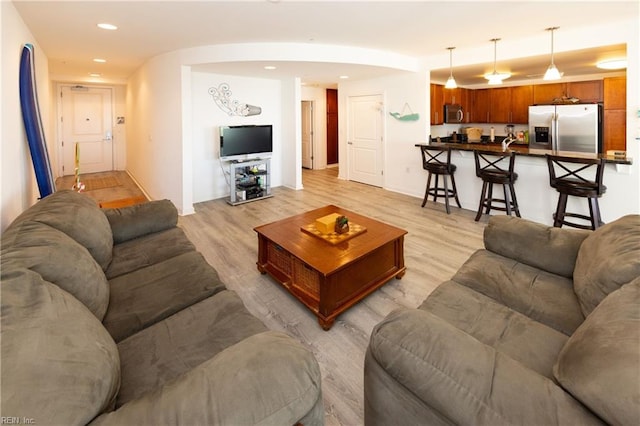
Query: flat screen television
239, 143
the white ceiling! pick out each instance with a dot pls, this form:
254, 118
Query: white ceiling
67, 32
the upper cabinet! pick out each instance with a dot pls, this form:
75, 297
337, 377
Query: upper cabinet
521, 99
615, 93
510, 104
546, 93
500, 105
480, 102
441, 97
586, 91
437, 102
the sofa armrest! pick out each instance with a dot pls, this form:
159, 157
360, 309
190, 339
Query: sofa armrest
551, 249
465, 380
138, 220
266, 379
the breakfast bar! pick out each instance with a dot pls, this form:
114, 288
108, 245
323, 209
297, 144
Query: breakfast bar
537, 200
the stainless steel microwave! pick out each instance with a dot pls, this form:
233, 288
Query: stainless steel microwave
453, 113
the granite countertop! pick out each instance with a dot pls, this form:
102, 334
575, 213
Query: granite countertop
523, 149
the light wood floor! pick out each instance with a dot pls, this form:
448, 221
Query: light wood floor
105, 187
435, 247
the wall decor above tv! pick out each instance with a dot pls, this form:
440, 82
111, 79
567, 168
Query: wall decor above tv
222, 97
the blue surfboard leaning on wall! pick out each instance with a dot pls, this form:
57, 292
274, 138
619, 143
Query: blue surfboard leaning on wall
33, 123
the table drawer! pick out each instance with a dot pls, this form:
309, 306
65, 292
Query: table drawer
306, 278
279, 258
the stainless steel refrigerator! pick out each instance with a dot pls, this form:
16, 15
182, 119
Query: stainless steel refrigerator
566, 127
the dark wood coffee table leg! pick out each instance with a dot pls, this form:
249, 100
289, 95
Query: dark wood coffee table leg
326, 324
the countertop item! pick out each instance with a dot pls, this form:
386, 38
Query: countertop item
474, 134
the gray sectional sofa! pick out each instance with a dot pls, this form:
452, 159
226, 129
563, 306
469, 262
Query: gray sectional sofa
542, 327
113, 317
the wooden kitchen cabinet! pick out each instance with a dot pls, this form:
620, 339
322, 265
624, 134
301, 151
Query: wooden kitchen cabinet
441, 96
510, 104
465, 101
544, 94
615, 114
586, 91
459, 96
615, 130
615, 92
500, 107
437, 103
521, 99
480, 103
452, 96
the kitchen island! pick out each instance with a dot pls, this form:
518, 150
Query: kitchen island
536, 199
523, 149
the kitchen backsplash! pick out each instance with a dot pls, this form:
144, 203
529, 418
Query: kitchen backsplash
499, 129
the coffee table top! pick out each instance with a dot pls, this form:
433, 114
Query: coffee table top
320, 254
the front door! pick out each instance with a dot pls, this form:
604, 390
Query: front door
364, 144
307, 134
86, 120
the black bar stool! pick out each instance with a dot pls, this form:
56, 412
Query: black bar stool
580, 177
492, 168
437, 161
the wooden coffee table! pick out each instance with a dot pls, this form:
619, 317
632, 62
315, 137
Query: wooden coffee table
330, 276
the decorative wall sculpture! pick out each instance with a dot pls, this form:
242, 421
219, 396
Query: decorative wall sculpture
222, 97
406, 115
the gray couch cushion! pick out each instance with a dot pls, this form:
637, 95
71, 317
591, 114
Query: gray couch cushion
59, 260
529, 342
141, 219
465, 380
164, 351
148, 295
545, 247
79, 217
59, 364
600, 364
267, 379
542, 296
148, 250
608, 258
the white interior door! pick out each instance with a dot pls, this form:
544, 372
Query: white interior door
307, 134
86, 120
365, 139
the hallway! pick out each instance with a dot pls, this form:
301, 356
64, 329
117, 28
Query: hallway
109, 189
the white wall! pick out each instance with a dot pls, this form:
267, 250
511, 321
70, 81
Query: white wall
155, 151
19, 187
318, 96
402, 163
210, 175
292, 133
159, 102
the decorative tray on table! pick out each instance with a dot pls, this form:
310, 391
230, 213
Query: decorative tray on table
334, 238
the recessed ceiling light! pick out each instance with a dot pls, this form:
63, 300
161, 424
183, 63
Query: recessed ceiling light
612, 64
106, 26
269, 67
102, 61
344, 77
95, 74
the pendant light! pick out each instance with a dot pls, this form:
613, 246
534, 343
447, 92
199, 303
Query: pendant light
451, 82
552, 72
495, 77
